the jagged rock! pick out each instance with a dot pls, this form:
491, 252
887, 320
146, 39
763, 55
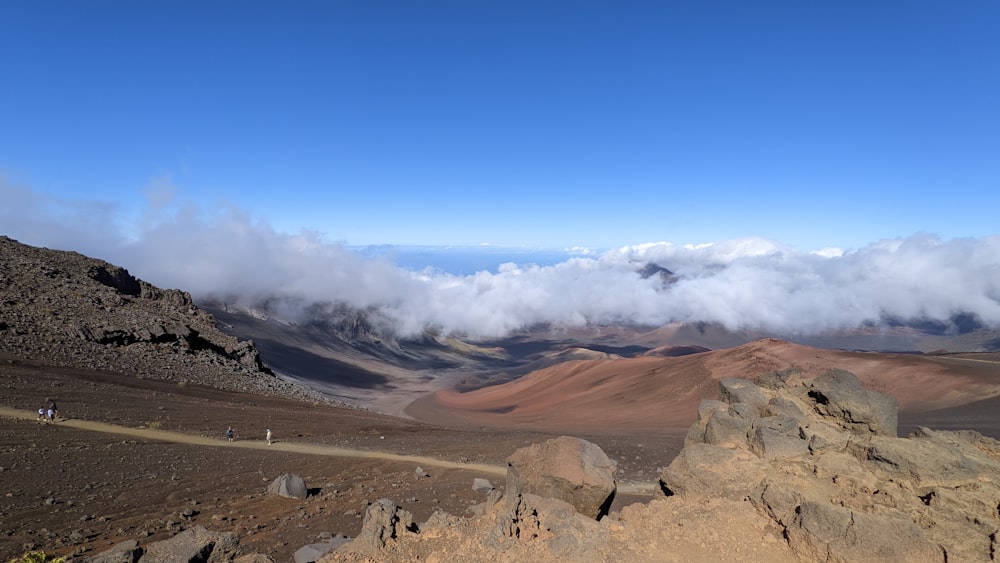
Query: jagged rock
840, 395
775, 437
94, 315
194, 545
567, 534
118, 278
288, 485
822, 461
125, 552
776, 380
708, 470
727, 427
384, 521
734, 390
824, 532
566, 468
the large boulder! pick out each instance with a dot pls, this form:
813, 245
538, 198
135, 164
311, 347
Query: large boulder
288, 485
565, 468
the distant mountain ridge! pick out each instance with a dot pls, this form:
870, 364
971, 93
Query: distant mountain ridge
67, 309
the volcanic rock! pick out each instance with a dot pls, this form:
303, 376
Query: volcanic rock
192, 545
124, 552
831, 473
565, 468
384, 522
288, 485
81, 312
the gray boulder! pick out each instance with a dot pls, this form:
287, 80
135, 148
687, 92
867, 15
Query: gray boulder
288, 485
312, 552
481, 485
124, 552
194, 545
840, 395
565, 468
775, 437
735, 390
825, 532
708, 470
727, 427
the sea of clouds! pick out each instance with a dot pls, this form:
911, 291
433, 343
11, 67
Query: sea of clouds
747, 284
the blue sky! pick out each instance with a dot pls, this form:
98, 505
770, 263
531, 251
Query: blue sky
545, 124
801, 167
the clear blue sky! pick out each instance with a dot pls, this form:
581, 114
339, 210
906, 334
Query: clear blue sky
554, 124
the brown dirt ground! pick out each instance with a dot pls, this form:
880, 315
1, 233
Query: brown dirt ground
71, 490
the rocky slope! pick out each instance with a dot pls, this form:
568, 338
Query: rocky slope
782, 470
65, 309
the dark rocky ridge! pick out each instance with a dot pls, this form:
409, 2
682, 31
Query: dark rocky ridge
73, 311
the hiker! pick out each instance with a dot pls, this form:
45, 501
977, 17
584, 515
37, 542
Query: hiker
230, 432
268, 436
41, 414
54, 409
52, 414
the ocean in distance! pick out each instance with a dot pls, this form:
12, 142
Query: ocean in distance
465, 260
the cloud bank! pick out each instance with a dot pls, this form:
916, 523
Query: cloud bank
748, 284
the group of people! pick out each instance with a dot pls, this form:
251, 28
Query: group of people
48, 414
231, 435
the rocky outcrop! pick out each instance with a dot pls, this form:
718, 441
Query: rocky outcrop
68, 310
384, 522
822, 460
193, 545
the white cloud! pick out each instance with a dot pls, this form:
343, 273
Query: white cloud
743, 284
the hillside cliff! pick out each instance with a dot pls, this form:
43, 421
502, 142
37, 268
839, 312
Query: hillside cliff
64, 309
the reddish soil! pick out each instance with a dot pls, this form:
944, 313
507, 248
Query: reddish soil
650, 394
71, 490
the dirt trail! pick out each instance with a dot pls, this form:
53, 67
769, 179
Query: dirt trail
308, 449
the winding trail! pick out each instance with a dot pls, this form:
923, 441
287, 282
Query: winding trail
300, 448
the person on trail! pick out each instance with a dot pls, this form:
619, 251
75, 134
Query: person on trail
54, 409
230, 432
268, 436
52, 414
41, 414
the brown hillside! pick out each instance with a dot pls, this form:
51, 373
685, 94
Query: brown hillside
653, 393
